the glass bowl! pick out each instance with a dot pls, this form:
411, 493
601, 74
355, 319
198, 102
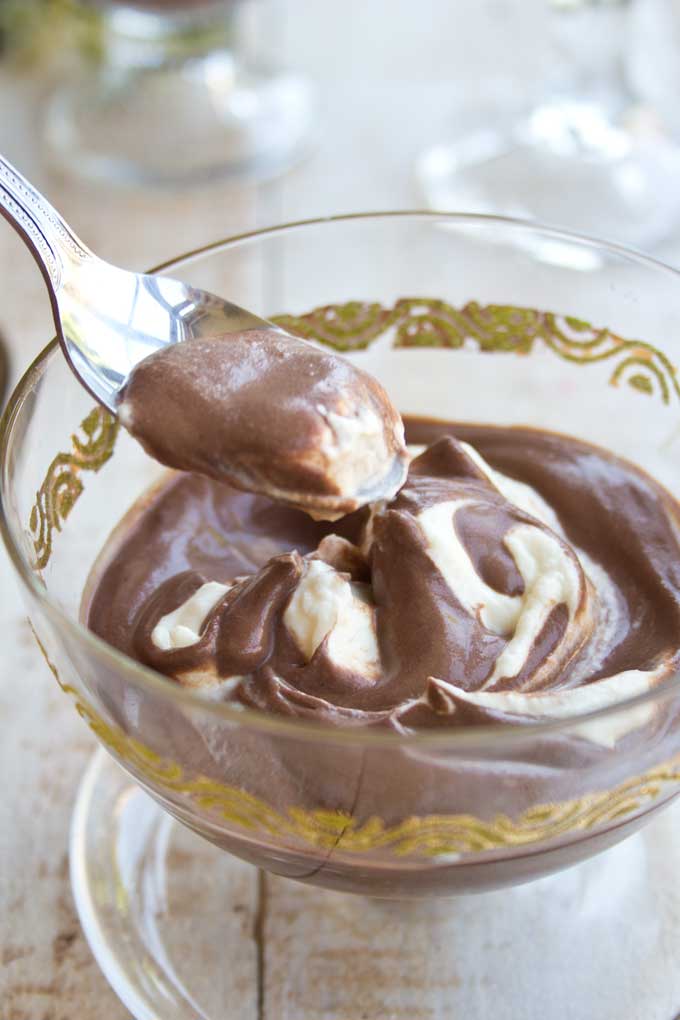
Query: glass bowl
461, 318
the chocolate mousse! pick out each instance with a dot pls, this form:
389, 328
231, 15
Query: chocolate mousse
269, 413
518, 574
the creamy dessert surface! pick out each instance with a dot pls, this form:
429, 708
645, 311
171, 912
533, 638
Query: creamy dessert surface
516, 575
269, 413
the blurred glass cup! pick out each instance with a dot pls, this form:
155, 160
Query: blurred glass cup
589, 152
653, 58
175, 97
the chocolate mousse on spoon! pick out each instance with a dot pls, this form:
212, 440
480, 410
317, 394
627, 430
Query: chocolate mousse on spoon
207, 386
271, 414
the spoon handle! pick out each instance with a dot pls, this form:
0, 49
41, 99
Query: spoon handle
50, 239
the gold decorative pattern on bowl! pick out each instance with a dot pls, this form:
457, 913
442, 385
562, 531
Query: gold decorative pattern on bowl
424, 836
510, 329
63, 485
354, 325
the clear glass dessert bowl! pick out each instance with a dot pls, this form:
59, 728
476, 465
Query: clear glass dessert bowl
460, 318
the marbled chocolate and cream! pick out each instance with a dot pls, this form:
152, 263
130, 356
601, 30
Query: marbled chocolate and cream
517, 574
272, 414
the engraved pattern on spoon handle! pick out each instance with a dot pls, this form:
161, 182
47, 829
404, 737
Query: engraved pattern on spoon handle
52, 242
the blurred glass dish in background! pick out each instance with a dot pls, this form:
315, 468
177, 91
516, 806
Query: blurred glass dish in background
589, 155
653, 65
176, 96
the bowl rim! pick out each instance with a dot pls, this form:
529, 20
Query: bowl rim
483, 736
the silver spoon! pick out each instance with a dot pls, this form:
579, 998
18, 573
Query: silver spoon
109, 319
266, 412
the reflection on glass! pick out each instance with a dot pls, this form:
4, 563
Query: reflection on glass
589, 156
175, 97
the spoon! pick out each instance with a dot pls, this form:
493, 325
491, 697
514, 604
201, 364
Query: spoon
265, 411
109, 319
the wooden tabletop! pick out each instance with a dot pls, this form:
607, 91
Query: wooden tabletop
380, 105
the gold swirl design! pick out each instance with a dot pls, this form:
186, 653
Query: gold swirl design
428, 836
423, 836
428, 322
62, 486
346, 327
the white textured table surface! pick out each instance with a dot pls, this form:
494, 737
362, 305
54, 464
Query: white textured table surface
381, 104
